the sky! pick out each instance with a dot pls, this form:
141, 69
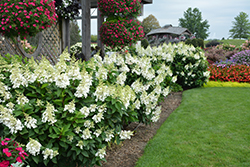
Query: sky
218, 13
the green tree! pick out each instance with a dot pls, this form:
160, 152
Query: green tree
150, 23
74, 33
93, 38
193, 22
241, 26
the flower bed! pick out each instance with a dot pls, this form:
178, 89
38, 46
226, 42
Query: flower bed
234, 73
69, 113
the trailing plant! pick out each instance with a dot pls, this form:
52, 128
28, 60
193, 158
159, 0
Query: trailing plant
121, 33
119, 8
26, 18
120, 28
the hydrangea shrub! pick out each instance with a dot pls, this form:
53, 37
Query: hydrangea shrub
68, 113
186, 62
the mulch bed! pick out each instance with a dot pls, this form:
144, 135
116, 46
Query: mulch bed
129, 151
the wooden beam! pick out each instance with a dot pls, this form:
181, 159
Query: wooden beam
86, 44
100, 20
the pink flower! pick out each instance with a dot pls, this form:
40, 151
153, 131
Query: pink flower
4, 164
34, 25
3, 143
27, 17
18, 159
6, 151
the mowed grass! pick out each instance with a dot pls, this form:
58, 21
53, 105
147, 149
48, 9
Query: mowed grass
211, 127
236, 42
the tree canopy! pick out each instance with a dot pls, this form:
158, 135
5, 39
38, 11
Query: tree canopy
150, 23
193, 22
241, 27
74, 33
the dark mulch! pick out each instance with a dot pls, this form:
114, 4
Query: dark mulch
127, 153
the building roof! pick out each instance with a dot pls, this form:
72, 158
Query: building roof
169, 29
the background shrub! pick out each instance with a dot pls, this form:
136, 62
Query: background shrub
213, 43
144, 43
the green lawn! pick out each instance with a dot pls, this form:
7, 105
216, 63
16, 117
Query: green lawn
209, 128
236, 42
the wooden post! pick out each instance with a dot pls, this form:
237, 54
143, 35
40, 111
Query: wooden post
100, 20
142, 9
65, 34
86, 44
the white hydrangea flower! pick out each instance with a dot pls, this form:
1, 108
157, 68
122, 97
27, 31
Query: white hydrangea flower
62, 80
70, 107
102, 73
17, 78
49, 114
86, 134
124, 68
9, 120
137, 86
126, 134
137, 104
98, 117
30, 122
102, 92
74, 73
89, 124
166, 91
77, 130
98, 132
157, 89
121, 78
101, 153
206, 74
109, 135
196, 56
80, 144
49, 153
174, 79
33, 147
84, 86
85, 111
21, 100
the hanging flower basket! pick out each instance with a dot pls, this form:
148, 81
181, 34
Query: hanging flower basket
26, 18
121, 33
121, 8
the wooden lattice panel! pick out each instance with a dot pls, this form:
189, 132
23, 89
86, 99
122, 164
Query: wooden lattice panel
51, 45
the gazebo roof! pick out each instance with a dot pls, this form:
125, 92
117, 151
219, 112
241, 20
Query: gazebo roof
169, 29
94, 3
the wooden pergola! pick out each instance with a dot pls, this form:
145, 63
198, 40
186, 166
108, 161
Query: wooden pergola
86, 20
